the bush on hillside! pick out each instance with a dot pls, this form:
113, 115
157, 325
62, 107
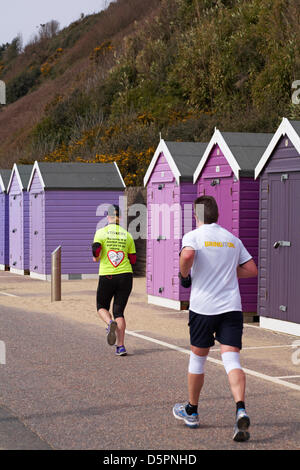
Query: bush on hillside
22, 84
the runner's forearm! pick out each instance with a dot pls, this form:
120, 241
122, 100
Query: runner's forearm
247, 270
186, 261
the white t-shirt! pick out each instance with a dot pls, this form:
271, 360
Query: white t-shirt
218, 253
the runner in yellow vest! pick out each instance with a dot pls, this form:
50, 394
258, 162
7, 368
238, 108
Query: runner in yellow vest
115, 249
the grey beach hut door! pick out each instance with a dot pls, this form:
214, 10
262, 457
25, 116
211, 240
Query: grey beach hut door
294, 236
283, 295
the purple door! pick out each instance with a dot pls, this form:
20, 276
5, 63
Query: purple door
2, 228
170, 225
37, 259
15, 231
278, 250
158, 242
221, 190
163, 216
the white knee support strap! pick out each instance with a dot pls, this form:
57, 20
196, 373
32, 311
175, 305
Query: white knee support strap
197, 363
231, 360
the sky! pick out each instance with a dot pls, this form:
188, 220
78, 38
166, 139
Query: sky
25, 16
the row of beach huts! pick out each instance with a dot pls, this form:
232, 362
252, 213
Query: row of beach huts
255, 178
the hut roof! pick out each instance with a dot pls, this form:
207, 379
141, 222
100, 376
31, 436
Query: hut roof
75, 175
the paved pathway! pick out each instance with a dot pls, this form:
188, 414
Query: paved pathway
62, 388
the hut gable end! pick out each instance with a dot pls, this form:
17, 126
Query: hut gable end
216, 164
35, 185
162, 171
14, 187
284, 156
285, 141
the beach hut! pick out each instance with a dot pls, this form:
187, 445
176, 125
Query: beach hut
226, 171
279, 238
67, 201
4, 222
170, 197
19, 219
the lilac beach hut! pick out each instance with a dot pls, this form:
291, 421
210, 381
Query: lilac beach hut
279, 233
19, 219
67, 201
170, 197
226, 171
4, 219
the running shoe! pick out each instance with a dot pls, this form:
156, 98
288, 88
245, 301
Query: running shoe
179, 411
121, 351
242, 424
111, 332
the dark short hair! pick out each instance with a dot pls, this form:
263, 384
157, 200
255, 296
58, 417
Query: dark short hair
211, 211
114, 211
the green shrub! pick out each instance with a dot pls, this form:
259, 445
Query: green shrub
20, 85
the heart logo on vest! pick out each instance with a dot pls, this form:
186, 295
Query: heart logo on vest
116, 257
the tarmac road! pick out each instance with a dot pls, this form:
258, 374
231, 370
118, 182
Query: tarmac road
63, 388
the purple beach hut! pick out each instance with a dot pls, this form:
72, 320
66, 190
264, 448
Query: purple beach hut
67, 201
226, 171
4, 220
170, 197
279, 234
19, 219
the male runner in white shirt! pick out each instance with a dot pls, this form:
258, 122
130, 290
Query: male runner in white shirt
216, 259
